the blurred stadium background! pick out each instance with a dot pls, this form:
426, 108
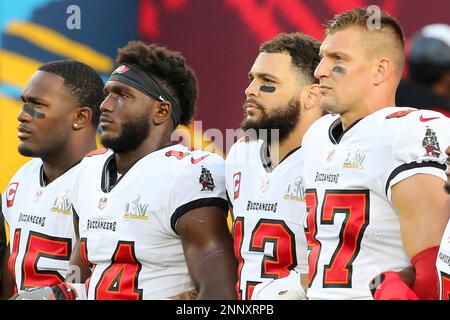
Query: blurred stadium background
219, 38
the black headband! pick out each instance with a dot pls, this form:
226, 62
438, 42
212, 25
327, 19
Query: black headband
134, 76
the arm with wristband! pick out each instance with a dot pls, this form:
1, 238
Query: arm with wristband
62, 291
422, 221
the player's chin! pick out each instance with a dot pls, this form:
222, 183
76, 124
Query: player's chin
253, 116
26, 149
108, 138
106, 135
325, 100
108, 132
250, 123
328, 105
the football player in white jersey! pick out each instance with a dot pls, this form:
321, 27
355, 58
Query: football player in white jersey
266, 192
58, 123
443, 258
374, 173
151, 216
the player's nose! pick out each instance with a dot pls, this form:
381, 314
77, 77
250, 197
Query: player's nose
321, 70
107, 105
252, 89
24, 116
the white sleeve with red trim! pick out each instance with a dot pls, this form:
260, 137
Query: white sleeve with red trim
419, 146
29, 169
199, 183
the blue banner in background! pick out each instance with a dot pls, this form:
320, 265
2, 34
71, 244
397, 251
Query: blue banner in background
18, 10
36, 31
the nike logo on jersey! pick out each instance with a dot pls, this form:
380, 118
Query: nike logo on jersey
422, 119
195, 161
399, 114
178, 154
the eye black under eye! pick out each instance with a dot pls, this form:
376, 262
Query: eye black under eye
268, 89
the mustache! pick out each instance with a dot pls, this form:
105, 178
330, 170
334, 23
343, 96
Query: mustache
253, 101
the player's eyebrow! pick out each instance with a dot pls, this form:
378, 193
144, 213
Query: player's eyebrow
32, 99
334, 54
262, 75
117, 88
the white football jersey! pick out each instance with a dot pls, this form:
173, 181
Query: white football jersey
443, 265
40, 225
269, 209
352, 229
128, 234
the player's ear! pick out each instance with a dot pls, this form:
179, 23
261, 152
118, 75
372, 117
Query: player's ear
310, 97
382, 70
162, 112
82, 118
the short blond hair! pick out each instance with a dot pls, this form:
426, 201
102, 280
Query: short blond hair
389, 30
360, 17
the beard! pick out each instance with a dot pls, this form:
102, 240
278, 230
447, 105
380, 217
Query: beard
133, 135
283, 119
